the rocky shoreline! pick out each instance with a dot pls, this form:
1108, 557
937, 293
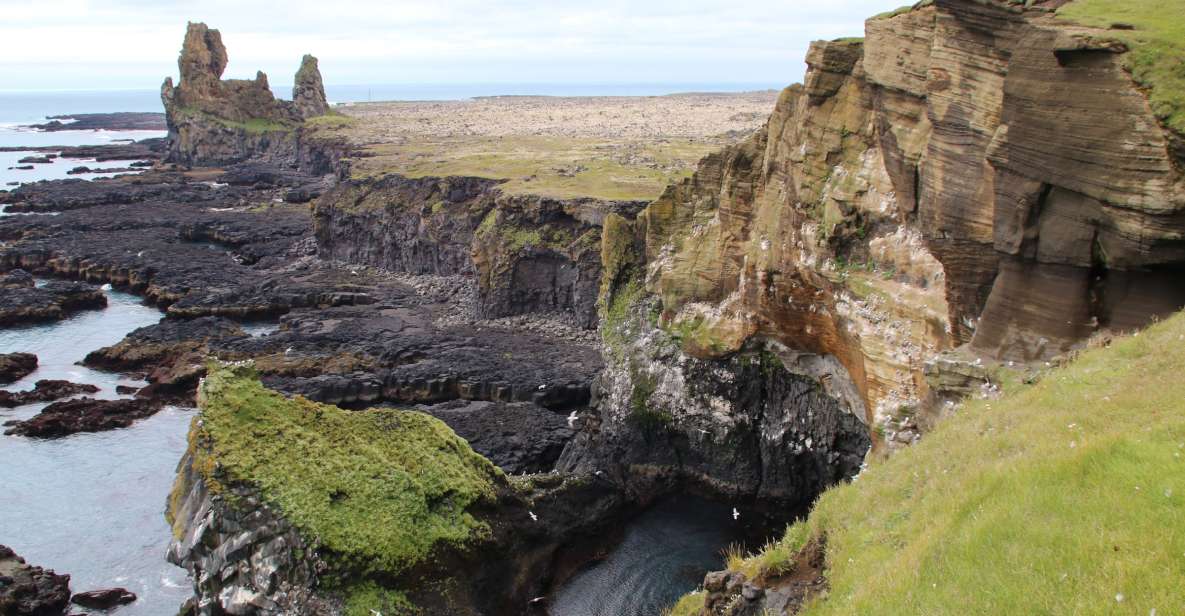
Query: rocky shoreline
828, 286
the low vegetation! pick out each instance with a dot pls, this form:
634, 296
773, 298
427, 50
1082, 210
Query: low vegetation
1155, 32
1066, 496
377, 490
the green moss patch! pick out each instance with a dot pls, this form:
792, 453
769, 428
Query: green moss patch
377, 490
1067, 496
1155, 32
367, 599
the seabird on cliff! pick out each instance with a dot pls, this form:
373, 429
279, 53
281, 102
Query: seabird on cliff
572, 419
106, 287
534, 518
735, 514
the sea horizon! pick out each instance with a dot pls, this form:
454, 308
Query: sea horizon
21, 106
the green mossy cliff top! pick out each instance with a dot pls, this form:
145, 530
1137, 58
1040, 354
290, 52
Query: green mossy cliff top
377, 490
1155, 32
1065, 497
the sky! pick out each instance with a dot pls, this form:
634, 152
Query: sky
133, 44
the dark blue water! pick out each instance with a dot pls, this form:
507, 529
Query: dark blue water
663, 555
91, 505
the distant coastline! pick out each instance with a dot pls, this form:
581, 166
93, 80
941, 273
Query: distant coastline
33, 106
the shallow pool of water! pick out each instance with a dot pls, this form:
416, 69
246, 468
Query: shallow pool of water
663, 554
91, 505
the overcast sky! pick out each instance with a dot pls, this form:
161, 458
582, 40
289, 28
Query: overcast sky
63, 44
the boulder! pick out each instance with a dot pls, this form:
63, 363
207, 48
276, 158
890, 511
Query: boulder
103, 599
16, 366
26, 590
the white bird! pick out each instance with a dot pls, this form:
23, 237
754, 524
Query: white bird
106, 287
572, 420
735, 514
288, 351
376, 613
538, 600
534, 518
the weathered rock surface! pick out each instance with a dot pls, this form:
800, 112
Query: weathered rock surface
44, 391
216, 122
84, 415
16, 366
767, 424
529, 254
308, 92
26, 590
105, 599
23, 302
521, 438
971, 173
104, 121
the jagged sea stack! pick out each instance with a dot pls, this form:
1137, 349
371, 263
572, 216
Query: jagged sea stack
216, 122
308, 93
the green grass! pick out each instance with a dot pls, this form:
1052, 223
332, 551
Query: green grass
690, 604
377, 490
902, 10
365, 599
1157, 57
539, 165
1056, 499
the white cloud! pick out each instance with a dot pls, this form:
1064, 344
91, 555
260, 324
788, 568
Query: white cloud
134, 43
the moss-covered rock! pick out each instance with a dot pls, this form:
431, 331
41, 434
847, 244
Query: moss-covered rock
378, 489
362, 502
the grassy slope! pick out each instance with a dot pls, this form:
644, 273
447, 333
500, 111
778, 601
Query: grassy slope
1157, 59
379, 489
1057, 499
541, 159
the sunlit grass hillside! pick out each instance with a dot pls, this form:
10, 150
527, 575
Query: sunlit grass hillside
1064, 497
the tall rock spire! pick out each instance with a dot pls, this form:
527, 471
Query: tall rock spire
308, 92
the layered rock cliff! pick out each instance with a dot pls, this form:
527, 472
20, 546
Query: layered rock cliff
975, 183
214, 121
528, 254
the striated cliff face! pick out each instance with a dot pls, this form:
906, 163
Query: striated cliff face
528, 254
214, 121
975, 182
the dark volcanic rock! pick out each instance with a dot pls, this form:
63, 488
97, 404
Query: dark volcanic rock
26, 590
36, 160
21, 303
529, 254
104, 121
45, 391
84, 415
16, 366
103, 599
520, 438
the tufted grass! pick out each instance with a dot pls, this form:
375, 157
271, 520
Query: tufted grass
1067, 496
377, 490
1157, 57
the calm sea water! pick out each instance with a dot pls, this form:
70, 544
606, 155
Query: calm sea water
91, 505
